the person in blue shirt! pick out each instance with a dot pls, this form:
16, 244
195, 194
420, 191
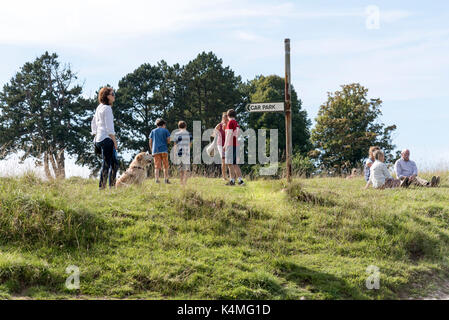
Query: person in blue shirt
159, 140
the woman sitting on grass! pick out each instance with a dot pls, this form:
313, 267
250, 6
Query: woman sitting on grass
369, 162
380, 177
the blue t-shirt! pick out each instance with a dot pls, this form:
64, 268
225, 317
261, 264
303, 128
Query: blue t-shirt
159, 137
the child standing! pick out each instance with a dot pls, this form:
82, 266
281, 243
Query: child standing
159, 140
183, 142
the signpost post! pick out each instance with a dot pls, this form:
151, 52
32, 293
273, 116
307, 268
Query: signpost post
285, 107
288, 112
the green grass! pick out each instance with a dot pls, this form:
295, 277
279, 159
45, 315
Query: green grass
313, 239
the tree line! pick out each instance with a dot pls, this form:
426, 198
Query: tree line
45, 116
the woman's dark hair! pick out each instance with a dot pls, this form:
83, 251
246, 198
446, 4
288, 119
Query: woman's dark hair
160, 122
182, 125
103, 95
232, 113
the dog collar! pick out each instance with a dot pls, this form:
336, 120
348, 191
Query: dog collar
137, 168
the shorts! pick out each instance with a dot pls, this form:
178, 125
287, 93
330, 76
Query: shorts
182, 162
184, 167
231, 155
221, 151
159, 159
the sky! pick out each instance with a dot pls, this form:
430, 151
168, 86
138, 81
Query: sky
399, 50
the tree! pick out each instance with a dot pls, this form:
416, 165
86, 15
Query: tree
138, 106
39, 114
346, 126
207, 89
84, 148
272, 89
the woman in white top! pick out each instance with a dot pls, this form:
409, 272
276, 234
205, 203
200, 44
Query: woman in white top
103, 128
380, 177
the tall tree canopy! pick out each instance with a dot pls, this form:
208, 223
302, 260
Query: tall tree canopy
346, 126
138, 106
39, 114
198, 91
207, 89
272, 89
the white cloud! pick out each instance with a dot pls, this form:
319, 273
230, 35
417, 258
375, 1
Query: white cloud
249, 36
86, 23
413, 65
391, 16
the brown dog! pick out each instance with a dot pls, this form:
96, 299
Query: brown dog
137, 171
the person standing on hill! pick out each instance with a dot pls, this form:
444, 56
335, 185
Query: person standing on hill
220, 132
183, 142
232, 149
102, 126
406, 170
159, 140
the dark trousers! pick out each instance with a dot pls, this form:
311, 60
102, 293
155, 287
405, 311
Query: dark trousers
110, 163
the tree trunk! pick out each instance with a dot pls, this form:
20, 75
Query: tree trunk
61, 165
53, 164
47, 167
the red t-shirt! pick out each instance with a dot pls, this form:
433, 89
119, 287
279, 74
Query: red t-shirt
232, 125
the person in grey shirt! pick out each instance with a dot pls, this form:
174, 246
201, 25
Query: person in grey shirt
406, 170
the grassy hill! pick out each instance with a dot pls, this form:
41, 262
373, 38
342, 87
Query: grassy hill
312, 240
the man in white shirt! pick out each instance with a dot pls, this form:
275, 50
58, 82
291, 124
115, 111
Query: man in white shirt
407, 169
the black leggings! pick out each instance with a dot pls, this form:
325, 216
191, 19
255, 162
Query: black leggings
110, 163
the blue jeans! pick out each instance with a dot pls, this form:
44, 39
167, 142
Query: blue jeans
110, 163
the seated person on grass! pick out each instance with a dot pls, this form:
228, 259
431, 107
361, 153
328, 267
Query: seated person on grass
380, 177
407, 171
369, 162
354, 174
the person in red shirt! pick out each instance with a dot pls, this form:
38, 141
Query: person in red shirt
231, 149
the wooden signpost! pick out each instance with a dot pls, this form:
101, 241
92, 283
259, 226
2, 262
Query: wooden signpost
281, 107
288, 111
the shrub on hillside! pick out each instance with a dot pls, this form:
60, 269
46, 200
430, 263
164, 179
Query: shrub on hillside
302, 166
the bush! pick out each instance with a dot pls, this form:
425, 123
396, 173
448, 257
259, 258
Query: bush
302, 166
